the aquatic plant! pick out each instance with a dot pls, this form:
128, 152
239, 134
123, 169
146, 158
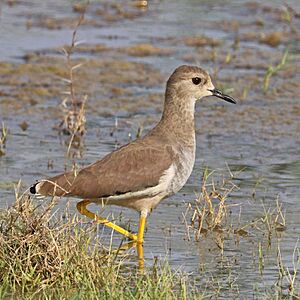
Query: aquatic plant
290, 276
3, 139
209, 211
272, 70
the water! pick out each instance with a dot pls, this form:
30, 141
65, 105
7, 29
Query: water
259, 135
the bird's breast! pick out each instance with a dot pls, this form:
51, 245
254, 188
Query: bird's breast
183, 165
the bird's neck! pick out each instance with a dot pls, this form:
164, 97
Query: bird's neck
178, 119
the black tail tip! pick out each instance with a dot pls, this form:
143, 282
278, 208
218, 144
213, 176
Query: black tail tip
33, 189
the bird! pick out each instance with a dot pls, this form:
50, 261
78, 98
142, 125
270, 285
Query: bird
140, 174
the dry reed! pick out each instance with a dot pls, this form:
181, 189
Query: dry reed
209, 211
73, 106
3, 139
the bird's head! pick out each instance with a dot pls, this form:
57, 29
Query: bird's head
193, 83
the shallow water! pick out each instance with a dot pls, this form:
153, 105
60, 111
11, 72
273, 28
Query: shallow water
259, 136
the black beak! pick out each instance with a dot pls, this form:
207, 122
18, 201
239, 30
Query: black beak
219, 94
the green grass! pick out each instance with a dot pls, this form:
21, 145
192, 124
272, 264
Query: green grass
272, 70
44, 256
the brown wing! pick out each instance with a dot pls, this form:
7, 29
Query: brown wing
133, 167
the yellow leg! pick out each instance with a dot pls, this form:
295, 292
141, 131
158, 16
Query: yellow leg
81, 207
141, 260
140, 236
140, 240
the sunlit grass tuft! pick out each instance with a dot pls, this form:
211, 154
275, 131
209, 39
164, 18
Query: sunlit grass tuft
46, 255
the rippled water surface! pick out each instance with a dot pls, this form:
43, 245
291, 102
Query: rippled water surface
258, 137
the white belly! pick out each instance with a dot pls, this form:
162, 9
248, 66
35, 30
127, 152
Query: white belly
183, 169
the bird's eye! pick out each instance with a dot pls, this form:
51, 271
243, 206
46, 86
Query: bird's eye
196, 80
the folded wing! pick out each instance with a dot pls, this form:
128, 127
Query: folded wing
133, 167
